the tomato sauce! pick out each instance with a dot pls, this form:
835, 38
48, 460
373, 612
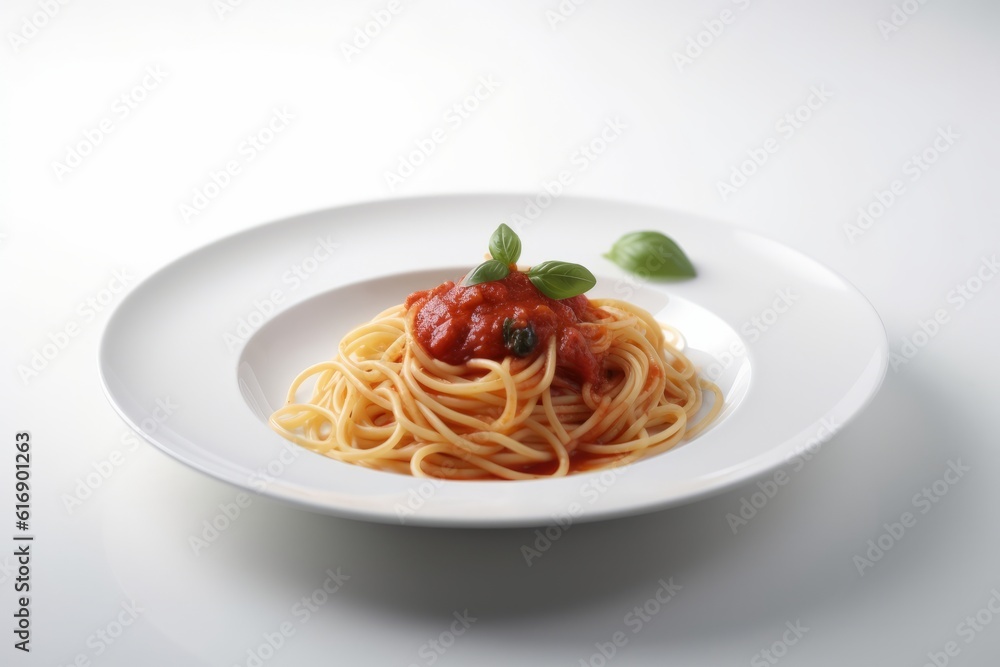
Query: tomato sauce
455, 323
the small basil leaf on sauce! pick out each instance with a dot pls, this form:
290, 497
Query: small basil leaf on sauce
505, 246
491, 269
507, 324
519, 340
651, 254
561, 280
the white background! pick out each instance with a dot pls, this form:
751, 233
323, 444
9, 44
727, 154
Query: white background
63, 236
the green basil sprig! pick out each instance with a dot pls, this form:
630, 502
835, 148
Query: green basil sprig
505, 245
519, 340
651, 254
491, 269
561, 280
556, 280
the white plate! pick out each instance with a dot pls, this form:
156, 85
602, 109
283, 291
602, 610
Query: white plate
215, 338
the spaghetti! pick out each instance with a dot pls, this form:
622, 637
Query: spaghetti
386, 402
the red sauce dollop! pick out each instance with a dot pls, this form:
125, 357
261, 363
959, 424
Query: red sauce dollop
455, 323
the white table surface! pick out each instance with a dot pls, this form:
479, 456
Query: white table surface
880, 96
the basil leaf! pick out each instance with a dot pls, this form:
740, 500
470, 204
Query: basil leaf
651, 254
521, 340
491, 269
561, 280
505, 246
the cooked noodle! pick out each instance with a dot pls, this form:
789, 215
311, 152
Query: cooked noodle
384, 403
